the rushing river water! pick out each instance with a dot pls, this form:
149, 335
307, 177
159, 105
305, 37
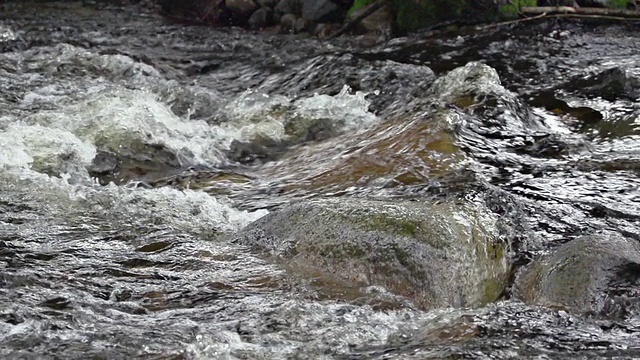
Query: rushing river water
130, 147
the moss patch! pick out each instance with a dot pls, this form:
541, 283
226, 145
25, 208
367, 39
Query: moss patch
359, 4
620, 4
413, 15
512, 9
493, 288
399, 226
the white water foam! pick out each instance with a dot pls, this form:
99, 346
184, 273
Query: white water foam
254, 114
6, 34
44, 150
119, 119
83, 102
352, 110
47, 167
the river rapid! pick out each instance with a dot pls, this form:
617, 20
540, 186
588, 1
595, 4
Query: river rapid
131, 147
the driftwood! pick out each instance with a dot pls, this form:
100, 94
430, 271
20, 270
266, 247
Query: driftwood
541, 12
351, 24
534, 12
537, 10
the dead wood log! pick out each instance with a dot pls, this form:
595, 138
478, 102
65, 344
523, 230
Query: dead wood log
536, 10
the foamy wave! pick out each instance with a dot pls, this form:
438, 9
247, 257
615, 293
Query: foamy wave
347, 109
51, 151
130, 121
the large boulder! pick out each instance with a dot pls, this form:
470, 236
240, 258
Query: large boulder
597, 275
322, 11
438, 254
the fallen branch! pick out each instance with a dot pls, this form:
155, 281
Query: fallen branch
351, 24
535, 10
511, 22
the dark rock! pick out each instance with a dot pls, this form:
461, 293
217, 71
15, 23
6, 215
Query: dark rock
241, 7
261, 18
136, 162
437, 254
57, 303
267, 3
289, 7
104, 162
594, 3
288, 22
258, 151
301, 129
322, 11
205, 11
301, 25
386, 80
596, 275
612, 84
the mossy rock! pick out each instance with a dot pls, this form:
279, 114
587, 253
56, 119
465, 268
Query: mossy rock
438, 254
594, 275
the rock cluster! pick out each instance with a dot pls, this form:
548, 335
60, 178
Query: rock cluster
316, 17
294, 16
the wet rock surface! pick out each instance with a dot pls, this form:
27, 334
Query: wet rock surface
596, 275
146, 259
412, 249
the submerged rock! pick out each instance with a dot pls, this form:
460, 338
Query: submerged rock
438, 254
477, 89
401, 152
595, 275
612, 84
474, 79
260, 150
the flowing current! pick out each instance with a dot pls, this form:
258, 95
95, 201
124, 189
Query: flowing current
131, 147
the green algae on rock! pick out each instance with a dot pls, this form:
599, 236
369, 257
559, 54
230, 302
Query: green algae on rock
438, 254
